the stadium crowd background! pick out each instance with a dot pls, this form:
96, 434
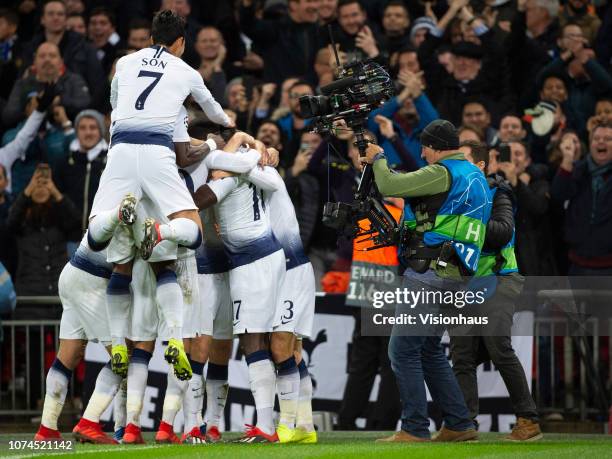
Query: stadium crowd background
480, 64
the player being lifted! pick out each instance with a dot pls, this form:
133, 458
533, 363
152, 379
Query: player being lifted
147, 92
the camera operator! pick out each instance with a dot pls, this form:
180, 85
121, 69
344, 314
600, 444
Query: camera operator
439, 248
494, 342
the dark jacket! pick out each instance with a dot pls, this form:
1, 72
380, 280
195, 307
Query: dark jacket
528, 55
78, 178
501, 223
304, 193
449, 95
289, 49
534, 249
71, 88
41, 243
588, 225
78, 54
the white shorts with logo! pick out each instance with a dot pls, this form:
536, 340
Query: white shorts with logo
147, 322
254, 288
216, 303
143, 170
296, 304
83, 297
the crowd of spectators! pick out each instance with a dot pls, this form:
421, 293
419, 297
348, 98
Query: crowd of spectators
534, 74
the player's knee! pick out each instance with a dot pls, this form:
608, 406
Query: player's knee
252, 343
280, 349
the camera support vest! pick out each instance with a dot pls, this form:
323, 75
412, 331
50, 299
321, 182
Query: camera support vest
462, 217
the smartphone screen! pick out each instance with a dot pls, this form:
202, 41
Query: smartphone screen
504, 153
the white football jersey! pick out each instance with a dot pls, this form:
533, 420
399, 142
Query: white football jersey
148, 91
283, 221
244, 226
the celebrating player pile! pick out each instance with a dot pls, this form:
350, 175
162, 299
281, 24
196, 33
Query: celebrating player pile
144, 270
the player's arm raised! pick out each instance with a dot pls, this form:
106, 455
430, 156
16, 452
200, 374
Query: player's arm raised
204, 98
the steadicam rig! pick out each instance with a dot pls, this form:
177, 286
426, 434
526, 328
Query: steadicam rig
361, 88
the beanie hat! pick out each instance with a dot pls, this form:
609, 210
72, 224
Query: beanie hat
467, 49
440, 135
96, 115
423, 22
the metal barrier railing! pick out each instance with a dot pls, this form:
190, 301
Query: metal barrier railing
23, 356
24, 347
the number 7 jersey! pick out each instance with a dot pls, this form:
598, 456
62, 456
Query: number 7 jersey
147, 92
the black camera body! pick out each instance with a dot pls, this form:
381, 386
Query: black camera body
362, 87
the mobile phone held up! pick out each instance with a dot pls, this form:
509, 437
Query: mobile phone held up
504, 153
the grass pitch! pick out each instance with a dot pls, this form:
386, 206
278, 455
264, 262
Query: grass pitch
341, 445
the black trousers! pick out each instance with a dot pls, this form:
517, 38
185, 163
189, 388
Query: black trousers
369, 357
467, 352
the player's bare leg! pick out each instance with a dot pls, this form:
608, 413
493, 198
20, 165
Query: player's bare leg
194, 395
88, 428
217, 385
138, 372
287, 382
262, 380
304, 431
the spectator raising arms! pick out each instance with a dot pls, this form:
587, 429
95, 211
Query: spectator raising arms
42, 218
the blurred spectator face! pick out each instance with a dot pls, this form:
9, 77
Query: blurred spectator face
180, 7
571, 34
327, 10
476, 114
601, 145
468, 134
419, 37
535, 14
351, 18
409, 61
269, 134
465, 68
139, 38
76, 24
574, 139
321, 65
294, 97
235, 94
304, 10
468, 34
47, 62
7, 30
554, 90
510, 128
519, 157
74, 6
88, 133
208, 43
603, 110
285, 91
100, 29
54, 17
310, 141
395, 20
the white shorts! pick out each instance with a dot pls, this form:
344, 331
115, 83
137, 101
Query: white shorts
83, 297
148, 322
217, 303
254, 290
143, 170
296, 304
